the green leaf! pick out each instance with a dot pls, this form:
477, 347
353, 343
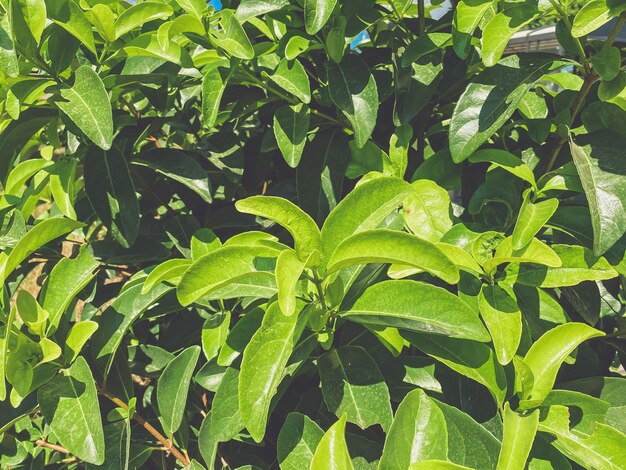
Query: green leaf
578, 264
545, 356
391, 246
297, 441
169, 271
288, 271
474, 360
119, 317
195, 7
62, 180
490, 99
214, 333
32, 15
317, 13
220, 268
505, 160
139, 14
240, 336
263, 367
469, 443
436, 465
607, 62
352, 384
87, 105
111, 191
503, 319
291, 125
178, 166
517, 438
103, 19
206, 444
604, 448
599, 161
70, 17
69, 403
590, 17
418, 433
535, 252
426, 210
213, 86
362, 209
299, 224
402, 304
502, 26
531, 219
76, 339
467, 16
252, 8
291, 76
226, 422
353, 90
332, 451
8, 58
173, 387
232, 37
42, 233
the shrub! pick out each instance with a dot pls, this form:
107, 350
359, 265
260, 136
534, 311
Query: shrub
259, 237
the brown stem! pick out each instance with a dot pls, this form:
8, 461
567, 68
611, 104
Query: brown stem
42, 443
148, 427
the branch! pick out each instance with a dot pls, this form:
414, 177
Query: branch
148, 427
42, 443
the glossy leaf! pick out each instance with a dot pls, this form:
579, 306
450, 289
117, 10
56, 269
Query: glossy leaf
69, 402
332, 451
317, 14
173, 387
291, 125
226, 422
87, 105
545, 356
503, 318
518, 436
297, 441
416, 306
352, 384
353, 89
291, 76
140, 14
418, 433
389, 246
427, 210
288, 271
532, 218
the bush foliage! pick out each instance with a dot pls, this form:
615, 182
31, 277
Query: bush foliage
259, 237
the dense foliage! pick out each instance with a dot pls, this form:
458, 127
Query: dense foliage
258, 238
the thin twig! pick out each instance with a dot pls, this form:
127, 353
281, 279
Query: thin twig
148, 427
42, 443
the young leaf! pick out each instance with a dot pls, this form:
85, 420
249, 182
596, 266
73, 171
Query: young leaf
291, 125
391, 246
507, 161
69, 403
288, 271
111, 191
364, 208
214, 333
220, 268
169, 271
418, 433
598, 159
517, 439
173, 387
317, 14
70, 17
301, 226
42, 233
332, 451
469, 358
353, 90
402, 304
140, 14
426, 210
252, 8
87, 105
297, 441
590, 17
578, 264
263, 367
545, 356
491, 99
352, 384
232, 37
76, 339
503, 319
531, 219
467, 17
